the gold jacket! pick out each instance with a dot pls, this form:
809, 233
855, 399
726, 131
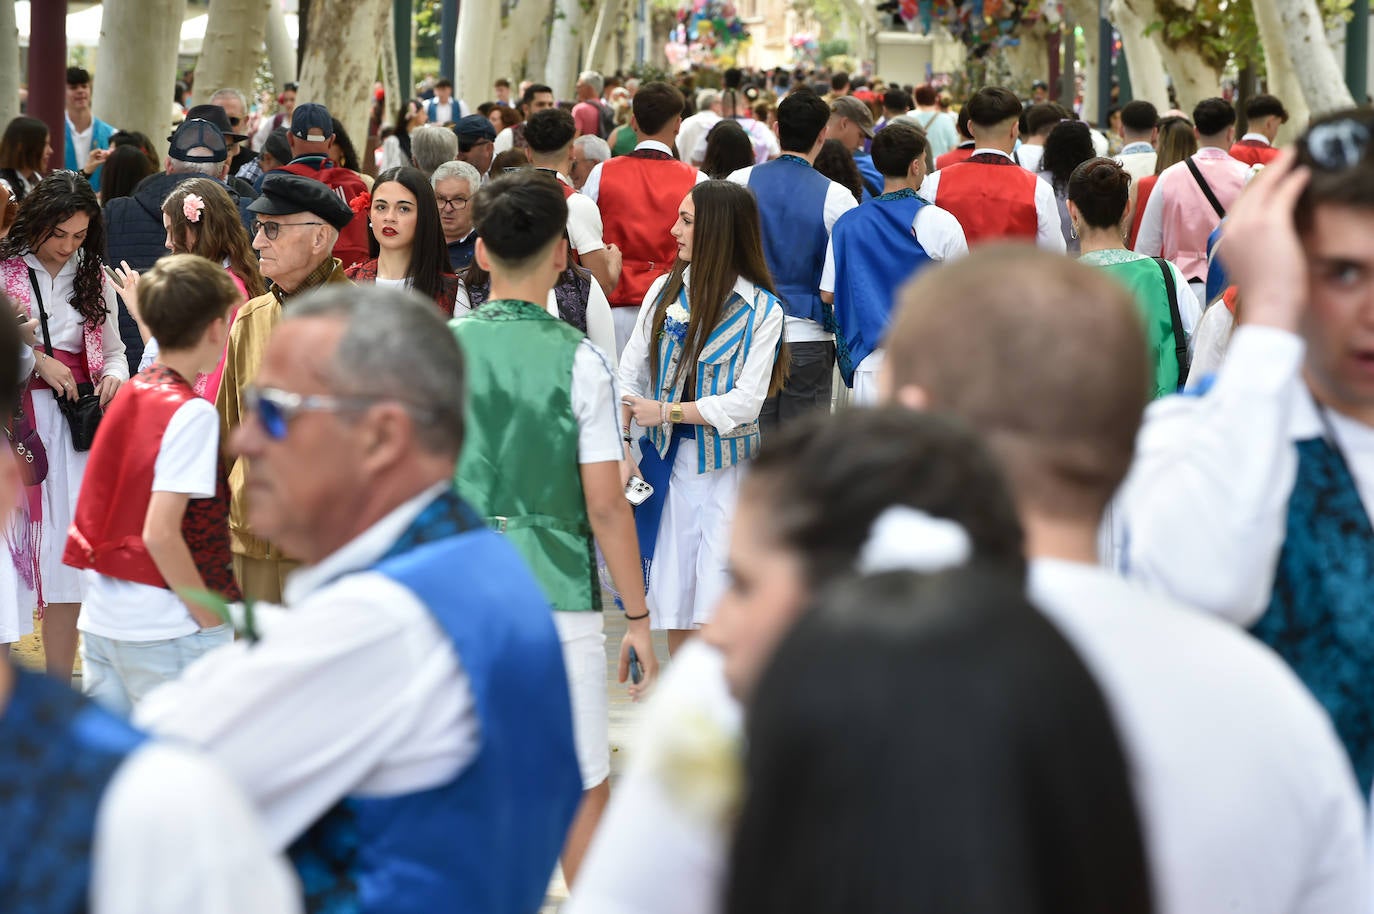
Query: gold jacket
247, 341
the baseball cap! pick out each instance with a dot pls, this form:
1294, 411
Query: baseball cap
473, 129
217, 116
312, 122
195, 133
856, 111
284, 194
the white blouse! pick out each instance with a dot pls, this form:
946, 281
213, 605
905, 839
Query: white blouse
725, 411
64, 323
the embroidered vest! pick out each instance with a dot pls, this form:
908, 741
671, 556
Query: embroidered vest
1146, 282
875, 250
638, 198
721, 362
487, 840
1321, 615
1253, 152
519, 466
58, 754
991, 201
107, 532
791, 196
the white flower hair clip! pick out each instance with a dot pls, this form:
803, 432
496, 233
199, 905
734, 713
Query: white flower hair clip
905, 539
191, 207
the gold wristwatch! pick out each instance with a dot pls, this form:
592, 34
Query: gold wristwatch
675, 413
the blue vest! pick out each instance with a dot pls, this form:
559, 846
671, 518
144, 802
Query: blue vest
791, 196
1321, 615
721, 362
100, 139
875, 251
58, 753
872, 178
488, 840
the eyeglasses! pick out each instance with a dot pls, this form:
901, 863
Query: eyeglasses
275, 408
1335, 145
270, 229
452, 202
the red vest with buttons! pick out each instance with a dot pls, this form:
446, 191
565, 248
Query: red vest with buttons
638, 197
107, 533
990, 201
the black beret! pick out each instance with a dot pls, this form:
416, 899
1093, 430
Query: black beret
284, 193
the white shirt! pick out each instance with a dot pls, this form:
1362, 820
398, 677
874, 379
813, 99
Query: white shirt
355, 690
1246, 796
174, 835
592, 186
1138, 159
1029, 156
584, 220
64, 324
81, 141
1210, 340
1256, 138
692, 131
726, 411
1204, 512
838, 201
594, 399
504, 140
1048, 234
658, 847
187, 464
764, 141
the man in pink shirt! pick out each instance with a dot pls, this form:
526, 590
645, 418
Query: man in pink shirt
588, 114
1190, 198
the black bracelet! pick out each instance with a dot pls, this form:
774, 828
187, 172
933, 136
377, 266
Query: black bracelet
627, 439
643, 615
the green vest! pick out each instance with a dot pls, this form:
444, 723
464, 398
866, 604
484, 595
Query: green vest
1145, 281
519, 464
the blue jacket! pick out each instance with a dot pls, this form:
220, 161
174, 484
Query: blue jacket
100, 138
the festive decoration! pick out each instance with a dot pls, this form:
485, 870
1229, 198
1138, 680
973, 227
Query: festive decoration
977, 23
191, 208
708, 31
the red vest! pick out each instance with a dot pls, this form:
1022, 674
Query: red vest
638, 198
990, 201
351, 247
1253, 152
107, 532
954, 156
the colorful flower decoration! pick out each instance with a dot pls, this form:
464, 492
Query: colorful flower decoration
361, 203
191, 207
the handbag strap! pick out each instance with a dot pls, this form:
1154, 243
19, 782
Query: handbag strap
1206, 188
1175, 318
42, 312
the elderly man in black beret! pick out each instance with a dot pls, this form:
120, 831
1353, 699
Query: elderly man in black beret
298, 221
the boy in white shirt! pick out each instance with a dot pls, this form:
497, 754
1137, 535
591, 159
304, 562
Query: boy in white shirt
151, 523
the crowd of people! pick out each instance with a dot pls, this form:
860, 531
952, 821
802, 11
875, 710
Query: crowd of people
330, 467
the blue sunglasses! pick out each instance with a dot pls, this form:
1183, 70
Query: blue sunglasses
275, 408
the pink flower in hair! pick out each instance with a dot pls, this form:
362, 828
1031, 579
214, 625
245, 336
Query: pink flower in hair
192, 207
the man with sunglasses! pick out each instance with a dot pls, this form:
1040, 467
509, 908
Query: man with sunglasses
404, 729
1253, 501
235, 105
298, 223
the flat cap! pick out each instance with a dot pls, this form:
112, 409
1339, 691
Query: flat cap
856, 111
284, 194
473, 129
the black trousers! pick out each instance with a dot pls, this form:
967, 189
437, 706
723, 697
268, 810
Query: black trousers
809, 387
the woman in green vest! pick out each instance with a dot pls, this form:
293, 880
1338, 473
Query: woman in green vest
1099, 190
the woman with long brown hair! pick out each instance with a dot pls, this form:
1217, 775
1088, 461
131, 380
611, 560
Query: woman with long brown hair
705, 353
202, 219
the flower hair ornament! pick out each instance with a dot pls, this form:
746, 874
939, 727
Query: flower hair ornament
361, 203
191, 207
905, 539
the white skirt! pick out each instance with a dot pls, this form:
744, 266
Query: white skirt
688, 575
17, 596
66, 467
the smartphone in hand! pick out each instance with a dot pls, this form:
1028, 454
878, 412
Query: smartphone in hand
636, 668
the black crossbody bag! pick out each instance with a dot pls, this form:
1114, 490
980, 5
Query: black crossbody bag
85, 412
1176, 319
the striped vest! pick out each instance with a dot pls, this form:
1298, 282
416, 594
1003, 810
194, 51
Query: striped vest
720, 364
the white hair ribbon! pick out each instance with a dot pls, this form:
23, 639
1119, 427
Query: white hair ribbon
905, 539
